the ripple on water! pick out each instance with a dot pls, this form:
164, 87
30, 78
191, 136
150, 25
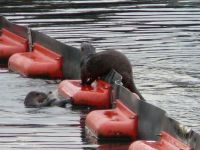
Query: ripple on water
161, 39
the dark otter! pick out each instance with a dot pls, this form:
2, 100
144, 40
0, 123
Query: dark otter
95, 65
37, 99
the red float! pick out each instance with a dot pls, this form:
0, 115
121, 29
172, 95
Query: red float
41, 62
166, 142
11, 43
119, 122
96, 95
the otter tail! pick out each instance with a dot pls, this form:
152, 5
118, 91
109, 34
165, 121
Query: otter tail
135, 90
129, 83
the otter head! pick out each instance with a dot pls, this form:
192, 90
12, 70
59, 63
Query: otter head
87, 49
87, 52
36, 99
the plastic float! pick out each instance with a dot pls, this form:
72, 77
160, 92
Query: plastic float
97, 95
41, 62
113, 146
11, 43
166, 142
119, 122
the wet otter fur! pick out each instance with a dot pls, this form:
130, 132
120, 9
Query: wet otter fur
95, 65
35, 99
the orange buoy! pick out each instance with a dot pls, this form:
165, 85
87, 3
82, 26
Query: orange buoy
166, 142
113, 123
41, 62
11, 43
96, 95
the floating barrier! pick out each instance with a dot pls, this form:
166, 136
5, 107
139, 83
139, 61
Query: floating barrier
41, 62
119, 122
96, 95
11, 43
166, 142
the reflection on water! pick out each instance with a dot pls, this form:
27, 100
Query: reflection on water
160, 38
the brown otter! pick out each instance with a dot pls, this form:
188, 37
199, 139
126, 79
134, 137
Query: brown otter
95, 65
37, 99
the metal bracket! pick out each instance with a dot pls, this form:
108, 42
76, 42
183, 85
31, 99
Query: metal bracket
30, 42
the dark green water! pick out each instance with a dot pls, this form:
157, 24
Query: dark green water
161, 38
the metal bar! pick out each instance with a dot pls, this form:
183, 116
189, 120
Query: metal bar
30, 42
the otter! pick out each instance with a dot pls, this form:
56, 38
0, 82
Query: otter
96, 65
35, 99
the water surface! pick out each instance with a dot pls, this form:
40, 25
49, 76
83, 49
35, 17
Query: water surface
161, 39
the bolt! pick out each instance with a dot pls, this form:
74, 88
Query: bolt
106, 87
117, 133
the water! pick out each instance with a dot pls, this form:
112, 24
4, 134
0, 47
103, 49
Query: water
161, 39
